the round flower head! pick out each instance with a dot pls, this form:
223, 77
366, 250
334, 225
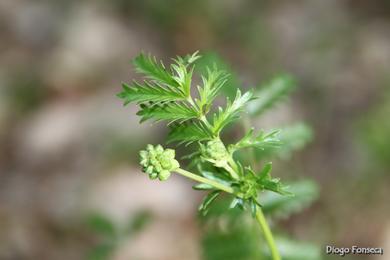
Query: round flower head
158, 162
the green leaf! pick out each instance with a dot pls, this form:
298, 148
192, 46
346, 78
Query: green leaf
271, 92
183, 77
208, 200
168, 111
148, 92
260, 141
182, 74
216, 176
138, 222
230, 234
189, 132
154, 70
101, 224
292, 138
265, 171
212, 59
231, 112
211, 85
274, 184
305, 192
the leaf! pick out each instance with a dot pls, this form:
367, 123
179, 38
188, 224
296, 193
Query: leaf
211, 85
305, 192
208, 59
216, 176
154, 70
230, 113
265, 171
230, 234
183, 77
189, 132
261, 141
182, 74
168, 111
101, 224
208, 200
275, 185
292, 138
138, 222
148, 92
271, 92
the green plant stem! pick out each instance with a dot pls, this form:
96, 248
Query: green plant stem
201, 179
267, 234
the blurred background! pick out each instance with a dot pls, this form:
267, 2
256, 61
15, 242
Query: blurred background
70, 186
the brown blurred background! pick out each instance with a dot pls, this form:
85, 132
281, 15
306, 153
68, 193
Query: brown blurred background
69, 150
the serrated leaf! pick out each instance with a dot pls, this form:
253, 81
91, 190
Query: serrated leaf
292, 138
182, 72
154, 70
183, 77
265, 172
231, 111
168, 111
208, 200
276, 186
189, 132
148, 92
211, 85
270, 93
211, 58
305, 192
260, 141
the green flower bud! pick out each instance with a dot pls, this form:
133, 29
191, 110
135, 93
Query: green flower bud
215, 152
157, 162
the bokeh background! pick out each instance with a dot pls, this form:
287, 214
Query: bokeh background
68, 148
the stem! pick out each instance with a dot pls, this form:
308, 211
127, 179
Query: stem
204, 180
232, 172
267, 234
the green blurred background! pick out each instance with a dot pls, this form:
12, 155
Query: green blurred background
70, 187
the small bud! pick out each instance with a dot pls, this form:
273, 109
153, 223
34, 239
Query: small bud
157, 162
216, 153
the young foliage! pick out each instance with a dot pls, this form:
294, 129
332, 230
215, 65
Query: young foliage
148, 93
165, 95
261, 141
231, 111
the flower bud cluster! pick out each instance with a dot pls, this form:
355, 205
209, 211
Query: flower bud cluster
158, 162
